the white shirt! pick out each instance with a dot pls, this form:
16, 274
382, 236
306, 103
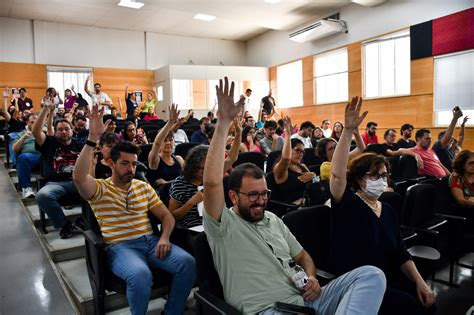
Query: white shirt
327, 133
306, 141
100, 98
180, 137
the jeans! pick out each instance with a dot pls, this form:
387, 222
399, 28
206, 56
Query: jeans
359, 291
48, 200
130, 261
13, 138
25, 163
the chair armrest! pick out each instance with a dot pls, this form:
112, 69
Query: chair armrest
422, 230
210, 301
294, 309
324, 275
97, 241
451, 217
284, 205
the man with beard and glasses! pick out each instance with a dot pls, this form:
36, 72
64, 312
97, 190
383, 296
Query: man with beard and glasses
59, 154
405, 142
369, 136
121, 204
253, 249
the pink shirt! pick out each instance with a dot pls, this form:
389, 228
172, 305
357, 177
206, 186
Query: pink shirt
431, 163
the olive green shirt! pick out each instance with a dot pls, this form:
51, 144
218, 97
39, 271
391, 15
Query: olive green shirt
252, 260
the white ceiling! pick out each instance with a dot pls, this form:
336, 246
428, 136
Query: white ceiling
236, 19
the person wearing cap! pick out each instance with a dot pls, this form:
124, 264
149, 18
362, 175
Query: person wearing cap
369, 136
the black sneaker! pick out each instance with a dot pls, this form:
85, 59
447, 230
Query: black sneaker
66, 230
79, 224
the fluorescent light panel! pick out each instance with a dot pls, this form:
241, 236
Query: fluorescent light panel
204, 17
130, 4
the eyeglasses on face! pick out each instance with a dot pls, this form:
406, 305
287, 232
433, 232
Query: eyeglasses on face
377, 176
254, 195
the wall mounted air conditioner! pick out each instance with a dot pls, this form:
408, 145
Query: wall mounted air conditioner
318, 30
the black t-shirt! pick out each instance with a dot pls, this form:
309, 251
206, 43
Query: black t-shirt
445, 155
81, 137
268, 105
58, 160
393, 147
402, 144
360, 238
102, 171
27, 103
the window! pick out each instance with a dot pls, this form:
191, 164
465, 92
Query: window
182, 93
62, 78
290, 84
331, 77
159, 93
387, 65
453, 85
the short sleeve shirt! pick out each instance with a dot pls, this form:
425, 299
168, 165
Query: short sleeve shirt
181, 190
431, 164
455, 181
306, 141
252, 260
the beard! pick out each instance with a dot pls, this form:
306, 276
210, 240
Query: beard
247, 215
125, 178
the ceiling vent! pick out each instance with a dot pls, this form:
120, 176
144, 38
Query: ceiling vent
318, 30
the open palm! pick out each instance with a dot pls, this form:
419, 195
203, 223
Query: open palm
227, 109
96, 124
173, 113
352, 119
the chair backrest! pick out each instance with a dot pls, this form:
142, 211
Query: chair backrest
182, 149
251, 157
225, 182
376, 148
443, 198
317, 193
144, 152
395, 171
90, 220
315, 169
271, 158
419, 206
207, 276
408, 167
151, 134
312, 228
310, 158
164, 193
149, 127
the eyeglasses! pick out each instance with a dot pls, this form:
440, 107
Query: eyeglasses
377, 176
254, 195
131, 129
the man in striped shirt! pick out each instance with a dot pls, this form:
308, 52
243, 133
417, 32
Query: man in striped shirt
121, 204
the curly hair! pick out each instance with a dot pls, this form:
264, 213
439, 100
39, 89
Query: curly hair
193, 161
363, 164
124, 131
460, 160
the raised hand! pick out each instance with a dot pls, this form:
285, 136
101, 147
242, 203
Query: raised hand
237, 125
288, 126
96, 124
173, 113
6, 92
457, 113
227, 109
464, 121
72, 87
352, 117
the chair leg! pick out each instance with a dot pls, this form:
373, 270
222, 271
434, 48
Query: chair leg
43, 222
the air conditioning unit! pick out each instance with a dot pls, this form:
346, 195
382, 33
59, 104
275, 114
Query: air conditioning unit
318, 30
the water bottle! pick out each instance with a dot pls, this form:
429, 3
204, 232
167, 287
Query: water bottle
300, 278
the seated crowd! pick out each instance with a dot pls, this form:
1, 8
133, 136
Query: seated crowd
91, 153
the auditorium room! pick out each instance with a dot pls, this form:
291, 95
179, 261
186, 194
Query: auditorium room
237, 157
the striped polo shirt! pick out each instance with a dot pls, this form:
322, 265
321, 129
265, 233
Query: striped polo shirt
123, 214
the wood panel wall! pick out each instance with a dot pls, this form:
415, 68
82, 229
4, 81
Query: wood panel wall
390, 112
33, 77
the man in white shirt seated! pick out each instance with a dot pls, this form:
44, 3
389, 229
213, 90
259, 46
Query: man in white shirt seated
304, 134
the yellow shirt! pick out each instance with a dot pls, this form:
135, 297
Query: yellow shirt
148, 104
123, 214
325, 169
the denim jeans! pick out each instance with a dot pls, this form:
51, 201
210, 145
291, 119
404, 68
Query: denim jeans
48, 200
25, 163
359, 291
13, 138
130, 260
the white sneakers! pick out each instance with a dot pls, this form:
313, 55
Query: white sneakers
27, 192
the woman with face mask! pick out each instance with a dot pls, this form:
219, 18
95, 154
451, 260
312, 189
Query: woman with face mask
367, 232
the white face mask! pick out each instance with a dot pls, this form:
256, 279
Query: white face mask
374, 188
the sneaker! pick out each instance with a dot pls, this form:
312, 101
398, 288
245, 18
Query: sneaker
66, 230
79, 224
27, 193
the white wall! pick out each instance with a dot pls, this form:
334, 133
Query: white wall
50, 43
274, 48
164, 50
16, 40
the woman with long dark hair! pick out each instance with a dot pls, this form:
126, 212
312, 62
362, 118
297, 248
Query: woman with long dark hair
461, 180
130, 133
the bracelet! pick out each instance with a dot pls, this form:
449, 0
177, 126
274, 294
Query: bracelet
91, 143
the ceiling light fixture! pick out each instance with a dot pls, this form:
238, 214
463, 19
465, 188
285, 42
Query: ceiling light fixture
133, 4
204, 17
272, 1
